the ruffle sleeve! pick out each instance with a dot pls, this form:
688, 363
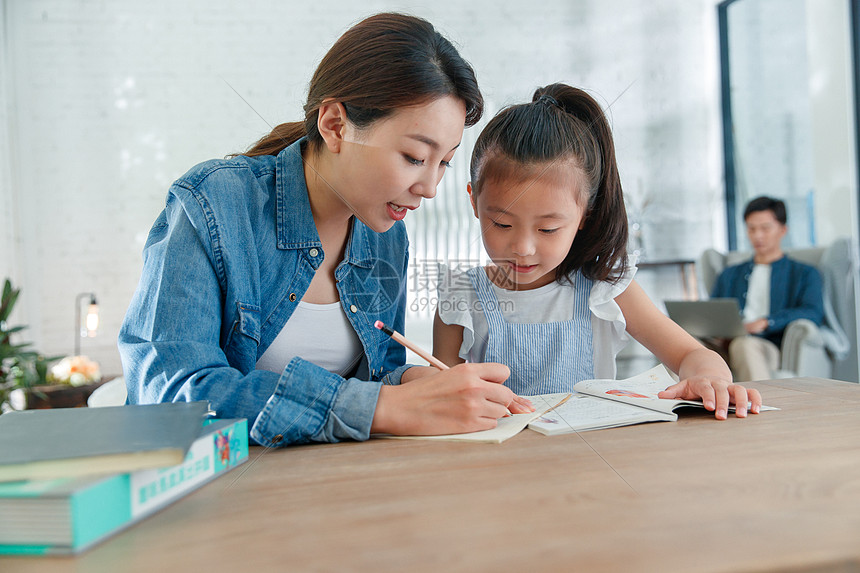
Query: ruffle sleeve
602, 303
456, 299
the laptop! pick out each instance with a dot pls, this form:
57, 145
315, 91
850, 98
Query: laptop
713, 318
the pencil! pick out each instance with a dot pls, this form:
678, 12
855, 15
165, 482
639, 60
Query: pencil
410, 345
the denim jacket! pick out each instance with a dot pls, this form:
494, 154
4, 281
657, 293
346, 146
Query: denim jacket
225, 265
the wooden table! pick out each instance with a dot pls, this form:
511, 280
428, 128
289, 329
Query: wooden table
778, 491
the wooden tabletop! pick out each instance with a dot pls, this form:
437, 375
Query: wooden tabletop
777, 491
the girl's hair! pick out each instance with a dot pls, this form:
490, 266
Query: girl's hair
385, 62
563, 125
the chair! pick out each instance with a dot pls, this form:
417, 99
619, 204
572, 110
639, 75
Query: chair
828, 351
111, 393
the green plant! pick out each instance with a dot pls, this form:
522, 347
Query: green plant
20, 365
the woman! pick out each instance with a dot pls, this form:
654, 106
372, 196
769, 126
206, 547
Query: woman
265, 272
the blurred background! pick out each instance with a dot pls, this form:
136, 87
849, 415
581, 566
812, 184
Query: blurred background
104, 104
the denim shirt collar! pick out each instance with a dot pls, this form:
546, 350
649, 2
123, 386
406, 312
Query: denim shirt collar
295, 222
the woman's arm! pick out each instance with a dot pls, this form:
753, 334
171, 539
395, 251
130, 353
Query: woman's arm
174, 346
703, 373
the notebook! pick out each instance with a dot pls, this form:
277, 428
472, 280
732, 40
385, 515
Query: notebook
714, 318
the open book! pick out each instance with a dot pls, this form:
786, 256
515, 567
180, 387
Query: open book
594, 405
599, 404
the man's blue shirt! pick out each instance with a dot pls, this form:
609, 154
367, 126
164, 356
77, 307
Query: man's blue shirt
795, 292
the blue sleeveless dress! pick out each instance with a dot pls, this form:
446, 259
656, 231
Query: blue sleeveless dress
543, 357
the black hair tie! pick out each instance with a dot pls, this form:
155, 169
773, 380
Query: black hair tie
547, 99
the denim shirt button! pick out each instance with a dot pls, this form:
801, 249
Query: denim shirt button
277, 439
353, 308
313, 252
292, 297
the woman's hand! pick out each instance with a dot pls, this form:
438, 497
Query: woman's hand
716, 394
521, 405
466, 398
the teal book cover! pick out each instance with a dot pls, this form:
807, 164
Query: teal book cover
69, 515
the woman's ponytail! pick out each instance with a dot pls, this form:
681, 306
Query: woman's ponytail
281, 137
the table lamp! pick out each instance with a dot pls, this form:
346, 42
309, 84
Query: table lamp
85, 329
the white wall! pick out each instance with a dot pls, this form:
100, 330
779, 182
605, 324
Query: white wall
831, 95
831, 107
8, 218
105, 103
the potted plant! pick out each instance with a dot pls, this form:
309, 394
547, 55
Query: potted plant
67, 384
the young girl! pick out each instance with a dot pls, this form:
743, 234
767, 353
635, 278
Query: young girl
558, 300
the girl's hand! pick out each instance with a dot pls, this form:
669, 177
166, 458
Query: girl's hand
466, 398
716, 394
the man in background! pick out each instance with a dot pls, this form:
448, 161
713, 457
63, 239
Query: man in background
772, 290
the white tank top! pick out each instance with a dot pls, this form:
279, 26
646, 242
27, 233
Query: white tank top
319, 333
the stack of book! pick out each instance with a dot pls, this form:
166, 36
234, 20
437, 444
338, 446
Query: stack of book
71, 477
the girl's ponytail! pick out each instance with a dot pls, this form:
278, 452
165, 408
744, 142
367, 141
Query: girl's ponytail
600, 247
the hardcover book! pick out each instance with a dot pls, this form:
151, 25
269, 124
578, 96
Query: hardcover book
68, 515
69, 442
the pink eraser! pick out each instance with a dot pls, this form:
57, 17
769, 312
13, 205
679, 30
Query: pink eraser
378, 324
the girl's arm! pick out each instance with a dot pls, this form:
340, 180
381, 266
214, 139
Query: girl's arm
447, 339
702, 372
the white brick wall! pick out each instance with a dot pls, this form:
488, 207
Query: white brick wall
105, 103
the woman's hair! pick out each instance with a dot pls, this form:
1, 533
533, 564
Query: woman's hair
383, 63
563, 125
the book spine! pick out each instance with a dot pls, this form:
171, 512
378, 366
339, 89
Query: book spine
98, 513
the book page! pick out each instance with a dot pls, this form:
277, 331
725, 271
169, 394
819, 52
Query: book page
640, 390
583, 412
